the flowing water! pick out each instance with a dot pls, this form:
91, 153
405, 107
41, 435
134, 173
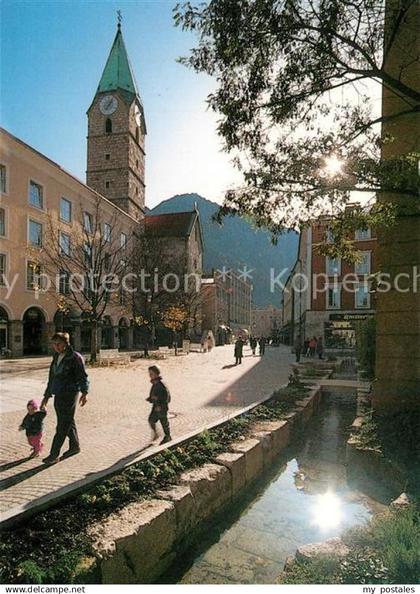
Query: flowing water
302, 500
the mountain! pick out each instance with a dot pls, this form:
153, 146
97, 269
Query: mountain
236, 244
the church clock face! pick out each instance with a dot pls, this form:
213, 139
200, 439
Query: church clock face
108, 104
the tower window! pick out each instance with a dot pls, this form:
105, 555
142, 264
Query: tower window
108, 125
137, 135
137, 163
107, 184
107, 156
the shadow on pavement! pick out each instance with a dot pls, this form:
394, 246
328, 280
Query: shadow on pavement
240, 391
123, 461
10, 465
21, 476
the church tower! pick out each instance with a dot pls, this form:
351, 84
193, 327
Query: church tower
116, 135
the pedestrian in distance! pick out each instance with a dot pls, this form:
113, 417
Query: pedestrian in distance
262, 343
320, 348
160, 398
66, 380
305, 350
32, 424
253, 344
312, 346
298, 348
239, 351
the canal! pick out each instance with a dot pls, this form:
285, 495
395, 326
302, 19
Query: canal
305, 498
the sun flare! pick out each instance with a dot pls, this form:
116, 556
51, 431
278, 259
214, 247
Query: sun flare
327, 511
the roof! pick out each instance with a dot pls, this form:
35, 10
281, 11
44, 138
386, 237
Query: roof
118, 73
175, 224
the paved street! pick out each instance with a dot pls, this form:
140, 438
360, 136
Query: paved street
113, 425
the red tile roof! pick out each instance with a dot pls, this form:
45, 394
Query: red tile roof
176, 224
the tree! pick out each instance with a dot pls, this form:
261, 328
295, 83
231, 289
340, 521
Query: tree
175, 319
153, 261
86, 268
294, 80
298, 97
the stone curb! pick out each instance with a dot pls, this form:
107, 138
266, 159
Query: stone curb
122, 540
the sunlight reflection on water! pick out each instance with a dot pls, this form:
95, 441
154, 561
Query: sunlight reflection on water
327, 511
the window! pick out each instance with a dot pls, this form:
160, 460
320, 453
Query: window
65, 244
2, 222
33, 271
122, 297
107, 262
3, 179
2, 269
88, 254
107, 232
36, 195
88, 222
65, 210
333, 298
108, 126
123, 240
64, 283
107, 156
332, 266
363, 267
35, 233
107, 184
362, 297
362, 234
329, 236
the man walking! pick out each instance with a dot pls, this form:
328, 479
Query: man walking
239, 350
67, 378
262, 345
160, 398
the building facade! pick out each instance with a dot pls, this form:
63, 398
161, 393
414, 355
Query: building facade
226, 305
38, 193
326, 297
41, 205
266, 321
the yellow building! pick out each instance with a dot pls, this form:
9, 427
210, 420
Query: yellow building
52, 224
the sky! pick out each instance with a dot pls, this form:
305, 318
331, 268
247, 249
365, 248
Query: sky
52, 57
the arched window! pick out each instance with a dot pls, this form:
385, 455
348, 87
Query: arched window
108, 126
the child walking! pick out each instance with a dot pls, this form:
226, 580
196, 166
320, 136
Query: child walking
32, 424
160, 398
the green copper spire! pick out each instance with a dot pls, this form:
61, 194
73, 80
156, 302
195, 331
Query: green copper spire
117, 73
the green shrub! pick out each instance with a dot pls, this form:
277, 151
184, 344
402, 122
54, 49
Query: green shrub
396, 537
321, 570
29, 572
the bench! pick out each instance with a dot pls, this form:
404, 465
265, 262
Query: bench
114, 357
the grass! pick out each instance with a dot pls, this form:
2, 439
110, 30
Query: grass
52, 546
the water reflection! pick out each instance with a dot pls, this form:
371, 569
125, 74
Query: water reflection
327, 511
306, 499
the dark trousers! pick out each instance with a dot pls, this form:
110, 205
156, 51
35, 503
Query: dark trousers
65, 408
161, 415
238, 359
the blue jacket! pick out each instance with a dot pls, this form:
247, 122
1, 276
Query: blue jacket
69, 377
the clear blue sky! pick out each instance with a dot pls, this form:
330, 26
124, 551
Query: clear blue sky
52, 56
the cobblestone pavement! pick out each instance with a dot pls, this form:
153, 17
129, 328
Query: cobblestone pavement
113, 425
